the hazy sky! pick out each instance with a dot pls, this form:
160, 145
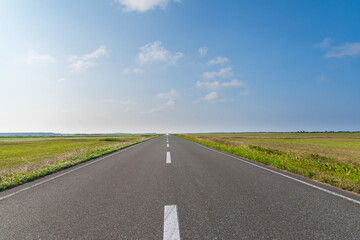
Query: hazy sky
90, 66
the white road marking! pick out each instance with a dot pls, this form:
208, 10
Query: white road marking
65, 173
167, 145
284, 175
171, 223
168, 157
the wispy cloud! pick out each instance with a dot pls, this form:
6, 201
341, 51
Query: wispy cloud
345, 50
234, 83
156, 52
132, 70
34, 57
218, 60
222, 73
211, 97
168, 95
217, 85
326, 43
203, 51
143, 5
170, 98
208, 85
61, 80
80, 63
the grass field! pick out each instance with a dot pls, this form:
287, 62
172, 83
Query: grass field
333, 158
26, 158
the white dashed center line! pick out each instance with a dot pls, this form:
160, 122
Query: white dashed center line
171, 223
168, 157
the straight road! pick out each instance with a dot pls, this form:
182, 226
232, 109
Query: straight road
171, 188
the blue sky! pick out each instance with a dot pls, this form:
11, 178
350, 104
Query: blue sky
179, 66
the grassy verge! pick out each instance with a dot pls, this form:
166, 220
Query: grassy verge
345, 175
24, 171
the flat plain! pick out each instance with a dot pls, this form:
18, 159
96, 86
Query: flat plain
201, 193
330, 157
26, 158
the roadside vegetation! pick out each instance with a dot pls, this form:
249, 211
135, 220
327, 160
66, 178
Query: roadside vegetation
23, 159
329, 157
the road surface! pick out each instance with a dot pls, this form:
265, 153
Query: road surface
176, 189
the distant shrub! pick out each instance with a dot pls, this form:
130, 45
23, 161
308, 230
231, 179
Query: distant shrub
114, 139
266, 150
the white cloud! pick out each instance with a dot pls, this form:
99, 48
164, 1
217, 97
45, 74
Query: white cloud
132, 70
211, 97
33, 57
170, 97
222, 73
143, 5
218, 60
95, 54
217, 85
155, 52
234, 83
202, 51
61, 80
326, 43
344, 50
170, 102
208, 85
80, 63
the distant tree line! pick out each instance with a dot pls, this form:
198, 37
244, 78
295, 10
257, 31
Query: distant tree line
328, 131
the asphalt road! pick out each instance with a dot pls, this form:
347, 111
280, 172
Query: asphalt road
192, 192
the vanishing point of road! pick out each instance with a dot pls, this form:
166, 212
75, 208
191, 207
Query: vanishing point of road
171, 188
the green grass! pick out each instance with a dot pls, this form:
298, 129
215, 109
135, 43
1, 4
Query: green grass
333, 158
28, 158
